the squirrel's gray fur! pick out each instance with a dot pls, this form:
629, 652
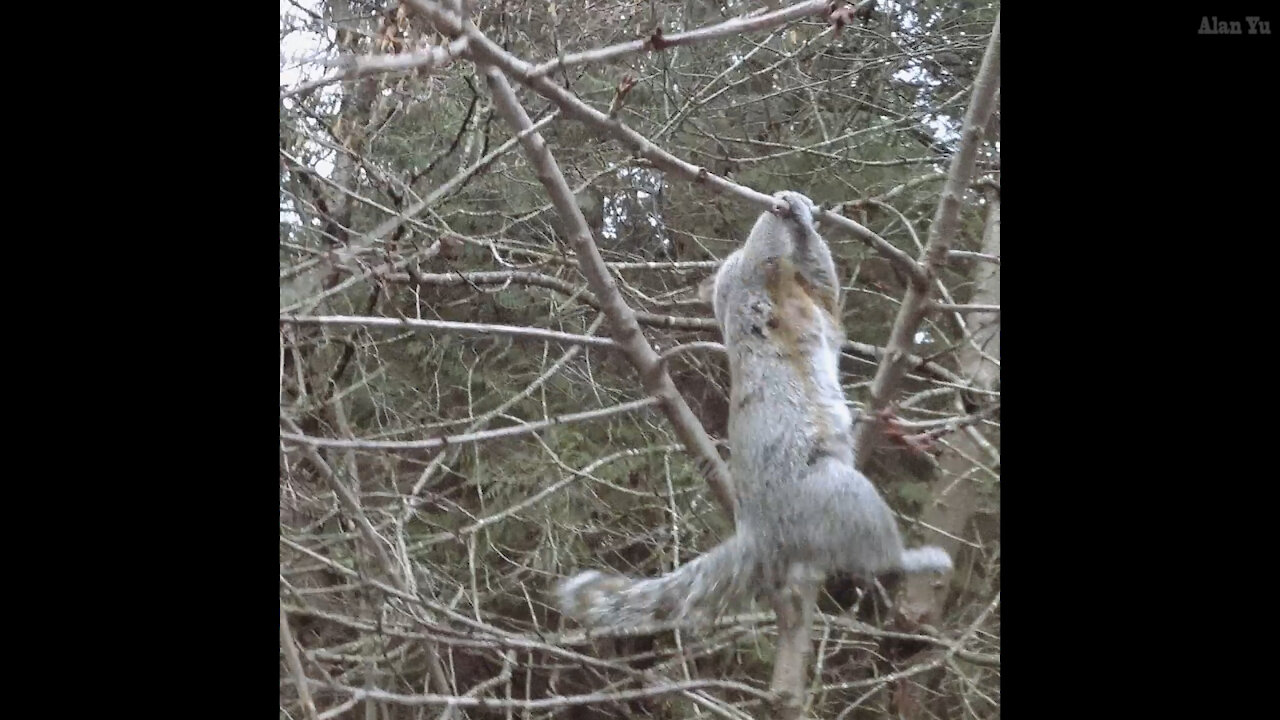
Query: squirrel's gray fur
801, 506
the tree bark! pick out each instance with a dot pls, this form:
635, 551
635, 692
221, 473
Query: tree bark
955, 491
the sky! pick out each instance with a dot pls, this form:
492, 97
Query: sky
298, 46
298, 53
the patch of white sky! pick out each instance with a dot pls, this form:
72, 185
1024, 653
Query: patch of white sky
302, 58
642, 196
616, 207
945, 128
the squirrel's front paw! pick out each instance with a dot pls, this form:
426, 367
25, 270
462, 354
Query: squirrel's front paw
801, 207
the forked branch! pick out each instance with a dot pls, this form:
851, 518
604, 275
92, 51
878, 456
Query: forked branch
622, 318
946, 219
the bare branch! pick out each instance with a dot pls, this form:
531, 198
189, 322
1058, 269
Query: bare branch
952, 645
560, 701
863, 350
547, 281
485, 50
295, 666
297, 436
358, 66
349, 501
657, 41
966, 255
943, 228
794, 606
389, 225
967, 308
513, 331
653, 375
571, 475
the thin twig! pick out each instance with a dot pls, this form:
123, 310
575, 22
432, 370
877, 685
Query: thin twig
657, 41
952, 307
295, 666
560, 701
513, 331
357, 66
481, 436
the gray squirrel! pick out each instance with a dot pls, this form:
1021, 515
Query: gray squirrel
802, 509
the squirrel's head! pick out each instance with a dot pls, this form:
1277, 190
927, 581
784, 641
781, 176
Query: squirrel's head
776, 229
799, 208
772, 236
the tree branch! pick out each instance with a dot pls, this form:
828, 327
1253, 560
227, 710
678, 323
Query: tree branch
559, 701
357, 66
658, 41
862, 350
480, 436
915, 305
295, 666
971, 308
514, 331
628, 336
484, 50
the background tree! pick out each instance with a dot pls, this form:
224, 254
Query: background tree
467, 413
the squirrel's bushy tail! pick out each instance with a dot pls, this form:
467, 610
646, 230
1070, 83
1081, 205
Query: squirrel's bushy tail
925, 559
703, 588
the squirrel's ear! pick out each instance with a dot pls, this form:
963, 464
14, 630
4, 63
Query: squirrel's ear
707, 288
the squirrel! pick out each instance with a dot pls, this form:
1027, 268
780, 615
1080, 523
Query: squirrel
802, 509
